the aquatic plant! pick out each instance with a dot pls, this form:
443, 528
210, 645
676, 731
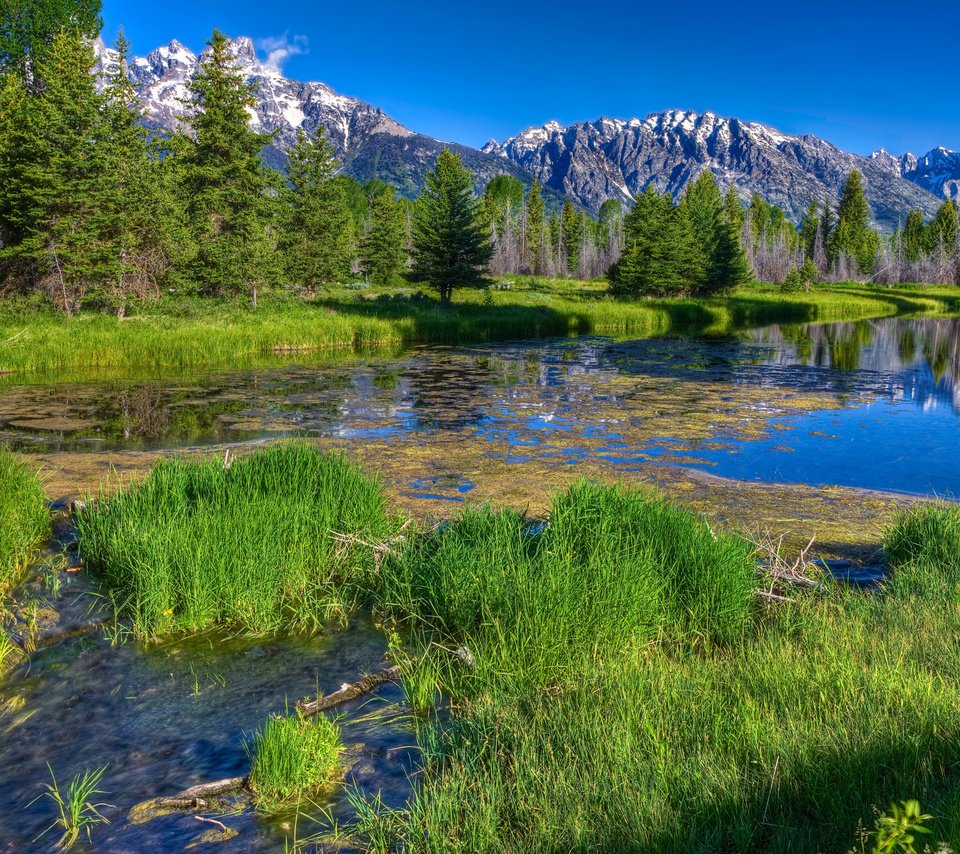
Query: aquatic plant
24, 518
77, 813
928, 535
260, 543
293, 757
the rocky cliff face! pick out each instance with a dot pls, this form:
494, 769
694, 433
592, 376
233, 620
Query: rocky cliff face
613, 158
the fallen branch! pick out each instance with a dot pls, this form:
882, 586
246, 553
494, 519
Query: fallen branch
193, 797
348, 691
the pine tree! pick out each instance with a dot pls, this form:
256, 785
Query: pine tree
227, 182
853, 235
572, 227
131, 210
318, 238
716, 241
382, 250
52, 175
451, 248
534, 236
943, 228
733, 211
28, 29
914, 236
660, 257
809, 226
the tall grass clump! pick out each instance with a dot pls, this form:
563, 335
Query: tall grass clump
293, 757
926, 535
76, 812
249, 544
24, 518
625, 693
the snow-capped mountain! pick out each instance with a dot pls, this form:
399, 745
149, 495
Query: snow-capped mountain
937, 171
368, 142
616, 158
587, 161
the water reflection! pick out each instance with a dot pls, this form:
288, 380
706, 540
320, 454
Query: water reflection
870, 403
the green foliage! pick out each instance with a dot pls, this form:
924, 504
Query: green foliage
943, 228
225, 180
897, 830
383, 252
853, 234
504, 201
293, 757
913, 237
661, 256
28, 29
77, 813
251, 545
809, 228
450, 245
24, 518
792, 283
534, 233
318, 236
572, 229
926, 535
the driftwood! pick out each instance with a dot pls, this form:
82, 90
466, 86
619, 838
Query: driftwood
348, 691
194, 796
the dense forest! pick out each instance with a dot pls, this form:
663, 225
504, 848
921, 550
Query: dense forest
95, 211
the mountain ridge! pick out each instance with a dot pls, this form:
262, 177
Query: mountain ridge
585, 161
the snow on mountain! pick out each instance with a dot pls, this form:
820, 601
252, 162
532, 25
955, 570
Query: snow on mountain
618, 158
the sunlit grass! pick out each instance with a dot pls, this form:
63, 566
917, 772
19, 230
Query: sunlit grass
24, 518
77, 813
293, 757
196, 333
249, 545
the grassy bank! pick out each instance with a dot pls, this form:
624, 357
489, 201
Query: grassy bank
626, 696
24, 518
180, 334
249, 545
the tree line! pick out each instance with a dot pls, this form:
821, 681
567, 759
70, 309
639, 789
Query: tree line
96, 210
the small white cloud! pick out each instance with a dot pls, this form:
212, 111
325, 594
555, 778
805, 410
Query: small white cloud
279, 49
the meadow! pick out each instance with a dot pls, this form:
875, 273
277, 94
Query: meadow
199, 333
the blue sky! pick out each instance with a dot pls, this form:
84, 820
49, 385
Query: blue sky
862, 75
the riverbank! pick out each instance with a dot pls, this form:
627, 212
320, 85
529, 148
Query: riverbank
178, 334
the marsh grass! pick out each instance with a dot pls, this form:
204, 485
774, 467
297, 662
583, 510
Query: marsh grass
293, 757
626, 695
24, 518
76, 811
191, 333
251, 544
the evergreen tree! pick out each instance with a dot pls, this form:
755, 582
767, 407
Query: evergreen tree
132, 214
534, 236
572, 227
52, 174
733, 211
660, 256
853, 234
943, 227
809, 226
318, 238
450, 245
227, 182
913, 237
554, 240
382, 250
504, 199
715, 240
28, 29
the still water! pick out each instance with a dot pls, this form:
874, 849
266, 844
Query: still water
871, 404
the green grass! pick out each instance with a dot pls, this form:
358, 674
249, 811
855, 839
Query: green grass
197, 333
249, 546
24, 518
293, 757
76, 812
628, 695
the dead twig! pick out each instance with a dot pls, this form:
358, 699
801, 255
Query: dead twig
193, 798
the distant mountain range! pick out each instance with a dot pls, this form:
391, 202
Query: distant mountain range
588, 162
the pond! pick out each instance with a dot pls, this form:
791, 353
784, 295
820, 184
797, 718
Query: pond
871, 404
